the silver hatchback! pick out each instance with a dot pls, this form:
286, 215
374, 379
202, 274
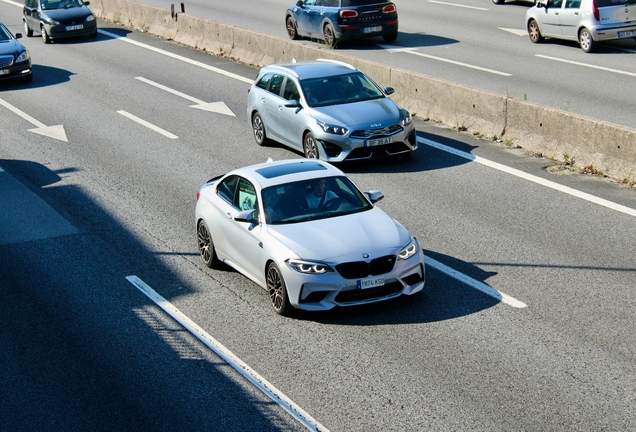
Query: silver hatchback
328, 110
585, 21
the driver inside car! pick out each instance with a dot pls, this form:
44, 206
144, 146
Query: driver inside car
319, 194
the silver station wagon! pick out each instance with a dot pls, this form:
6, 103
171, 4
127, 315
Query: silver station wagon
585, 21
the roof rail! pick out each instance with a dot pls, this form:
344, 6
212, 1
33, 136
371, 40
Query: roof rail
341, 63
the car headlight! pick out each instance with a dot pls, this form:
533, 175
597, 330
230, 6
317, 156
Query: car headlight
52, 22
336, 130
90, 18
308, 267
409, 250
23, 57
405, 117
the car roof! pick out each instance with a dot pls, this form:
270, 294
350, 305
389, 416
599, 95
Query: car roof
312, 68
272, 173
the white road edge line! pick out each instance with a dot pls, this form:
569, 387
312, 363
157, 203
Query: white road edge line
176, 56
617, 71
261, 383
147, 124
518, 173
486, 289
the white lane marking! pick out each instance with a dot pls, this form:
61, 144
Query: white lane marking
486, 289
56, 132
392, 49
457, 5
176, 56
218, 107
261, 383
147, 124
518, 173
514, 31
617, 71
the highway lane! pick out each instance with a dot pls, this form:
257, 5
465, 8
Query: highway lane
452, 358
457, 40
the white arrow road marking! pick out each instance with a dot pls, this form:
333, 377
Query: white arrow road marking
217, 107
56, 132
250, 374
515, 31
457, 5
413, 51
147, 124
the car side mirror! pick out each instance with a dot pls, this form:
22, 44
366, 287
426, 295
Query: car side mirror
389, 90
294, 103
300, 3
246, 216
374, 195
86, 3
18, 35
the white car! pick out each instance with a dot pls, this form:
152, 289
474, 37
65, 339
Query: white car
304, 232
584, 21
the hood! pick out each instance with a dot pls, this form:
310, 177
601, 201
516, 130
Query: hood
373, 232
11, 47
371, 114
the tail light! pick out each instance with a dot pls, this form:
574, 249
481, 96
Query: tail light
348, 14
389, 9
198, 195
597, 13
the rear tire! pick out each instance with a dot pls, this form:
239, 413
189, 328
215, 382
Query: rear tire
585, 40
258, 128
391, 37
534, 32
27, 31
329, 36
498, 1
277, 290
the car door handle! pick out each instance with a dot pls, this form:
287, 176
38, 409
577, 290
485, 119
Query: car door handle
280, 107
263, 100
229, 215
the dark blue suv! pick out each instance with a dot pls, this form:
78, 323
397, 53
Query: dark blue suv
337, 20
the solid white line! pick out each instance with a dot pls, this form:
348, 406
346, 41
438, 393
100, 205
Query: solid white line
486, 289
169, 90
176, 56
147, 124
261, 383
532, 178
457, 5
617, 71
412, 51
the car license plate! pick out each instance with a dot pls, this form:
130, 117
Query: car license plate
378, 141
370, 283
4, 71
628, 33
75, 27
372, 29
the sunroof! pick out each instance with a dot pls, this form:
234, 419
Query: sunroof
291, 168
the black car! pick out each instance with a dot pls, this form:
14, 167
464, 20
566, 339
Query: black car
15, 61
337, 20
57, 19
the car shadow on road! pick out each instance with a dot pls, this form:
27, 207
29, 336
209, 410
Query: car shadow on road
404, 40
442, 298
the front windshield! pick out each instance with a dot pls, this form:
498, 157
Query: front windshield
314, 199
60, 4
4, 34
340, 89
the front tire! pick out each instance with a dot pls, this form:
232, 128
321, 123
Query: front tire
27, 31
277, 290
585, 40
310, 146
206, 246
329, 35
534, 32
258, 128
292, 30
45, 36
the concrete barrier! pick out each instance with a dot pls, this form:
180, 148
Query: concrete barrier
557, 134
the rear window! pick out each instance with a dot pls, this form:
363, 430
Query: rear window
606, 3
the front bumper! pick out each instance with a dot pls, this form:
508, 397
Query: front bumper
16, 71
326, 291
61, 31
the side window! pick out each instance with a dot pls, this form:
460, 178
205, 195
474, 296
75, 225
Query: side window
573, 4
226, 189
264, 81
310, 2
246, 195
556, 3
291, 91
276, 83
